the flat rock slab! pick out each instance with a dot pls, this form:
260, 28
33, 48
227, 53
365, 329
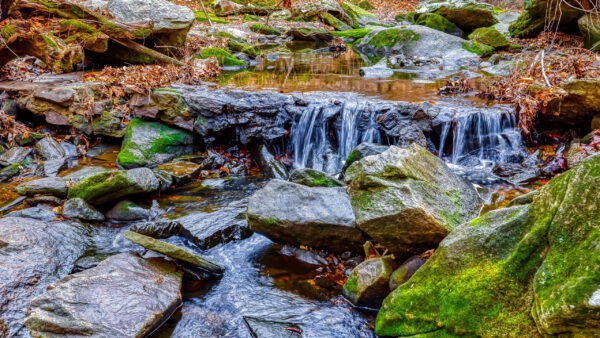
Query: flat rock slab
33, 254
123, 296
50, 185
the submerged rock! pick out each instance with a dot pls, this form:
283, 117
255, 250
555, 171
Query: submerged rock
270, 166
111, 185
78, 208
314, 178
148, 144
123, 296
33, 254
182, 171
466, 14
317, 217
127, 211
408, 199
50, 185
368, 283
526, 270
14, 155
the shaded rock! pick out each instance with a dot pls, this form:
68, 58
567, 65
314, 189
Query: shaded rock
535, 18
466, 14
578, 105
12, 204
408, 199
317, 217
40, 213
261, 328
84, 172
49, 149
293, 256
33, 254
309, 34
523, 199
112, 185
14, 155
589, 26
70, 149
438, 22
405, 271
359, 16
489, 36
173, 251
213, 162
45, 199
50, 185
78, 208
127, 211
130, 297
157, 229
182, 171
314, 178
270, 166
165, 179
363, 150
368, 283
221, 226
51, 168
148, 144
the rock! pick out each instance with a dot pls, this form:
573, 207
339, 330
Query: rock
51, 168
260, 328
310, 34
578, 105
173, 251
409, 200
14, 155
314, 178
438, 22
157, 229
112, 185
70, 149
33, 254
213, 162
299, 215
323, 8
378, 71
78, 208
363, 150
589, 26
182, 171
533, 20
148, 144
283, 14
368, 283
405, 271
123, 296
127, 211
489, 36
50, 185
83, 172
44, 199
270, 166
40, 213
222, 7
292, 256
263, 29
523, 199
7, 173
360, 18
164, 178
221, 226
540, 259
49, 149
466, 14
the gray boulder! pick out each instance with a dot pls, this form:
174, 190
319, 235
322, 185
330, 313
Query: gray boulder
39, 212
14, 155
157, 229
51, 168
317, 217
408, 199
123, 296
127, 211
363, 150
83, 173
271, 167
314, 178
466, 14
49, 149
50, 185
33, 254
78, 208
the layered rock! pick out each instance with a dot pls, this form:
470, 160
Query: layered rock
408, 199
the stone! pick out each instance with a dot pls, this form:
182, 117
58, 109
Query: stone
540, 259
123, 296
363, 150
438, 22
78, 208
466, 14
368, 283
522, 199
589, 26
360, 17
157, 229
7, 173
49, 149
405, 271
295, 214
270, 166
309, 34
314, 178
577, 106
112, 185
39, 212
408, 200
33, 254
127, 211
182, 171
148, 144
222, 7
14, 155
489, 36
226, 224
271, 329
44, 199
173, 251
293, 256
533, 20
214, 161
50, 185
51, 168
83, 172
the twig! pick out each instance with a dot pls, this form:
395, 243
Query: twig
205, 12
150, 52
543, 70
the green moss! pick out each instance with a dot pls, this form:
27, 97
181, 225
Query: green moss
527, 26
410, 17
351, 285
77, 25
489, 36
334, 22
250, 18
359, 16
353, 33
7, 31
498, 10
223, 56
390, 37
77, 11
48, 40
270, 221
436, 21
478, 48
243, 47
200, 16
141, 33
262, 29
366, 5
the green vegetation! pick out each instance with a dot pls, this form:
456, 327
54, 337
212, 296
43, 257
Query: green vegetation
200, 16
243, 47
436, 21
7, 31
478, 48
334, 22
250, 18
366, 5
489, 36
526, 26
353, 33
224, 57
77, 25
359, 16
390, 37
262, 29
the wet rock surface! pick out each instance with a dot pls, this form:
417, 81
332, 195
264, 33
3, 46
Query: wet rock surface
127, 211
314, 178
78, 208
51, 185
368, 283
14, 155
270, 166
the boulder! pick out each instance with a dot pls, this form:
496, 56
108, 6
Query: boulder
14, 155
33, 254
533, 20
528, 270
83, 172
438, 22
112, 185
49, 149
408, 200
577, 106
78, 208
270, 166
42, 213
7, 173
363, 150
182, 172
51, 168
360, 17
314, 178
405, 271
226, 224
589, 25
310, 34
148, 144
466, 14
489, 36
123, 296
50, 185
157, 229
369, 282
127, 211
313, 216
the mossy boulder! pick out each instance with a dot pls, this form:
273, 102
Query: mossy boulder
148, 144
528, 270
360, 17
368, 283
310, 34
489, 36
578, 105
264, 29
243, 47
112, 185
224, 57
526, 26
478, 48
534, 19
314, 178
200, 16
408, 200
358, 33
334, 22
589, 25
466, 14
438, 22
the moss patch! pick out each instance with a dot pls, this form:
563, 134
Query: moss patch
353, 33
224, 57
478, 48
391, 37
263, 29
243, 47
489, 36
200, 16
7, 31
526, 26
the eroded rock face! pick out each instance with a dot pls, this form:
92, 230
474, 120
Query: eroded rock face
317, 217
123, 296
33, 254
408, 199
541, 259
